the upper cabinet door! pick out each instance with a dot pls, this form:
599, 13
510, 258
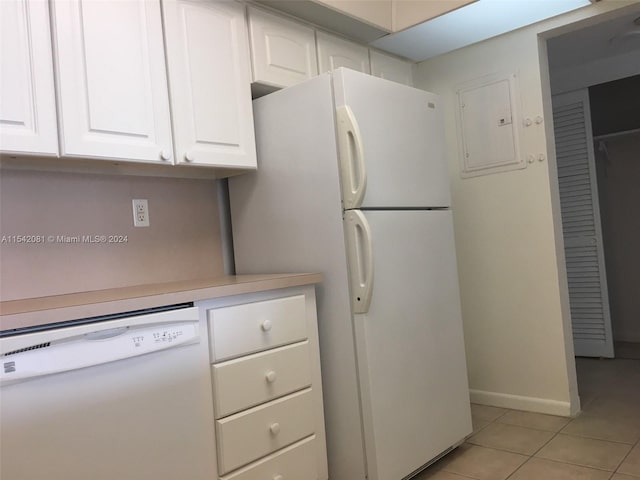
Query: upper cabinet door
391, 68
210, 77
283, 51
334, 52
112, 80
27, 94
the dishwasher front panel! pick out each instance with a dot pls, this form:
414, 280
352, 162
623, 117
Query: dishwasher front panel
113, 413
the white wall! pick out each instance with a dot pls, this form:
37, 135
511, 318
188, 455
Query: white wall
508, 235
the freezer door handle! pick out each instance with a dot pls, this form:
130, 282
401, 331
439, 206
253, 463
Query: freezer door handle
360, 255
351, 152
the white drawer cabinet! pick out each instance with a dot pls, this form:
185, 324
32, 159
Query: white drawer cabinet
241, 329
391, 68
267, 385
112, 80
209, 76
27, 93
335, 52
244, 382
295, 462
283, 52
254, 433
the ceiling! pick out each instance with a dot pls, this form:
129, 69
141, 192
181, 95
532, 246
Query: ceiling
606, 39
476, 22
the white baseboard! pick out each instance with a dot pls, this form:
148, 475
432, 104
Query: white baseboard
517, 402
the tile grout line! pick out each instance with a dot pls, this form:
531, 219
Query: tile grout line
533, 428
598, 388
532, 455
597, 439
555, 434
637, 444
500, 450
599, 469
591, 467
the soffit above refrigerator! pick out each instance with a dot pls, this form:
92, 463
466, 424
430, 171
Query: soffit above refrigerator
473, 23
324, 16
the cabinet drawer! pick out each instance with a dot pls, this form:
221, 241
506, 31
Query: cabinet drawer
297, 462
258, 378
252, 327
252, 434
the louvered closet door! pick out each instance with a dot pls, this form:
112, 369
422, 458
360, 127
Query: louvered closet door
581, 225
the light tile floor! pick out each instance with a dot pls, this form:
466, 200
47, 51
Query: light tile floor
602, 443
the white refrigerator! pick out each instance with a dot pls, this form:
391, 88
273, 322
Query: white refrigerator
352, 182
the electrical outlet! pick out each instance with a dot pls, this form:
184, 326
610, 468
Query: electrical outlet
140, 212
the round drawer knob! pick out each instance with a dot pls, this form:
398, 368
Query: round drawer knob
278, 477
266, 325
188, 157
274, 429
270, 376
165, 155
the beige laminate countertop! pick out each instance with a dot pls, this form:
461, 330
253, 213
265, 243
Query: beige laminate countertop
61, 308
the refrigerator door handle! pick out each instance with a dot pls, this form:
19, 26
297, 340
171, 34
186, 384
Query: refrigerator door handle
351, 152
360, 256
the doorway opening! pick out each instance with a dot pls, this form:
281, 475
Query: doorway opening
595, 78
594, 74
615, 116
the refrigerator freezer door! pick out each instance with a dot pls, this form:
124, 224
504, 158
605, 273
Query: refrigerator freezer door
410, 345
402, 135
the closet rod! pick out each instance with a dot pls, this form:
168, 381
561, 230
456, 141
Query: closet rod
624, 133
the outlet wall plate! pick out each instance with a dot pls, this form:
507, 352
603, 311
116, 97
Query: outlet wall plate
140, 212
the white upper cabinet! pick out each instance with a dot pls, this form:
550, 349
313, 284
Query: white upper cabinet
391, 68
27, 94
112, 80
283, 51
334, 52
210, 77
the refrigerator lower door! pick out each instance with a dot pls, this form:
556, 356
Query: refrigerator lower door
412, 368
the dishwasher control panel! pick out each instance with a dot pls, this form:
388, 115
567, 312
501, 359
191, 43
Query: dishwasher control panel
95, 348
164, 336
167, 336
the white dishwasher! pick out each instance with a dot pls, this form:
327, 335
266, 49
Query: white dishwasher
126, 398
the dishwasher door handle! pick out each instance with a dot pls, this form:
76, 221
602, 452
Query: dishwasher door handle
104, 334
